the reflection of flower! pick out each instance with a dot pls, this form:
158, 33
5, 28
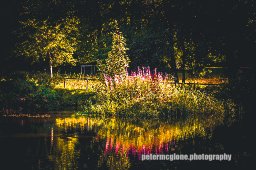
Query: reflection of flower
126, 137
145, 141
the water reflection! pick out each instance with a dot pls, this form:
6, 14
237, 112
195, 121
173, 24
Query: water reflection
84, 142
64, 154
127, 138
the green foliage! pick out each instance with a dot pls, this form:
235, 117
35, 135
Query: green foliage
117, 60
88, 50
13, 91
36, 93
51, 42
216, 58
138, 97
187, 56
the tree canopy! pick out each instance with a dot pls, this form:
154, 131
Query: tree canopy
117, 60
55, 43
169, 35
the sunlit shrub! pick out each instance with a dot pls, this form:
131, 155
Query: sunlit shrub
145, 94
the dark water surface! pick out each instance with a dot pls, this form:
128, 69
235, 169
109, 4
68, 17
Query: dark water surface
108, 143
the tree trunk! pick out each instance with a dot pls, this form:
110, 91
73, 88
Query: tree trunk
174, 69
183, 70
183, 58
51, 70
170, 54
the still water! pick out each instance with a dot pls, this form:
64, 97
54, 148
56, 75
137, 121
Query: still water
83, 142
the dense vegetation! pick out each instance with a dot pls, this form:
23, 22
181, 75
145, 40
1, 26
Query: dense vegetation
140, 95
180, 39
25, 93
154, 95
170, 35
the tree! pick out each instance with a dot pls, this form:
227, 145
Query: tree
117, 60
54, 43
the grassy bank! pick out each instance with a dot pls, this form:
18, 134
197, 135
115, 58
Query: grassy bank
22, 93
144, 95
138, 95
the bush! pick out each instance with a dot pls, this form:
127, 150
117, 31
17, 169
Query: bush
147, 95
36, 93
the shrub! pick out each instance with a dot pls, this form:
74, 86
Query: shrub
143, 94
36, 93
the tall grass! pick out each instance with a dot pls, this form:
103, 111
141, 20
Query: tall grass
143, 93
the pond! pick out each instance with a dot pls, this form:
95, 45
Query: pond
86, 142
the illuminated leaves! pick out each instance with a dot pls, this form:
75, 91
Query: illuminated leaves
216, 58
117, 60
53, 42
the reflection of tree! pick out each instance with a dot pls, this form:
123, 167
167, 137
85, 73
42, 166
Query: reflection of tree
65, 153
115, 160
80, 122
125, 137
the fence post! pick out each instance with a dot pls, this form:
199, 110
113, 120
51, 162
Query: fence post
64, 83
86, 83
